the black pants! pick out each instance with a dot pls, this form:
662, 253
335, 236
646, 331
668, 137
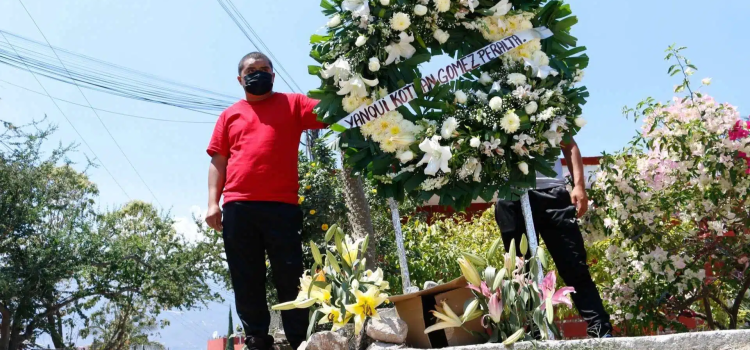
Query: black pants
252, 229
555, 220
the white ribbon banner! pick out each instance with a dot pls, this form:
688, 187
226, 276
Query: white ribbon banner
444, 75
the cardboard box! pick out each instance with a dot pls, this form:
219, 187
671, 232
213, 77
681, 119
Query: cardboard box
415, 309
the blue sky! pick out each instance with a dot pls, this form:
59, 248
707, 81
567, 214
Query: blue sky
194, 42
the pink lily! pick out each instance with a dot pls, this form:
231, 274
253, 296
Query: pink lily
484, 290
495, 306
556, 297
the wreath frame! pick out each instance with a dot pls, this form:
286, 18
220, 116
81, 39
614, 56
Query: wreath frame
364, 156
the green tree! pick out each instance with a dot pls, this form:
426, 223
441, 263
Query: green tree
230, 332
60, 258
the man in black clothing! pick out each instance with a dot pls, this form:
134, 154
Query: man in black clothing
555, 212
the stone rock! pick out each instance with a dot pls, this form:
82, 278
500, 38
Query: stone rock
429, 284
327, 341
385, 346
388, 313
721, 340
388, 330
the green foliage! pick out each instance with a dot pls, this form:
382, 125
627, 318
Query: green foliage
432, 250
59, 257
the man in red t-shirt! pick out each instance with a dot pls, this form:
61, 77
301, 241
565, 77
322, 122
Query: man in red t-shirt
254, 165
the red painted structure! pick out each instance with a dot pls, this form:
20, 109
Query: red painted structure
221, 343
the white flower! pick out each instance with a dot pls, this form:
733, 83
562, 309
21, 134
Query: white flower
706, 81
471, 4
553, 137
485, 79
340, 69
405, 157
361, 41
420, 10
449, 127
334, 21
580, 122
374, 64
531, 108
510, 122
461, 97
441, 36
502, 8
516, 79
356, 85
385, 2
400, 21
539, 65
481, 96
351, 103
524, 168
496, 103
442, 5
472, 166
435, 156
359, 8
475, 142
402, 49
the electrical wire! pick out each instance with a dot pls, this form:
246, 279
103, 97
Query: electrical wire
105, 110
92, 107
239, 20
73, 126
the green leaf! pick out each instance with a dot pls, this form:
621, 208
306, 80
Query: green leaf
418, 59
313, 70
337, 127
565, 24
414, 181
317, 38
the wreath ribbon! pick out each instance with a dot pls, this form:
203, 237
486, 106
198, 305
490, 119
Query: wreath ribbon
444, 75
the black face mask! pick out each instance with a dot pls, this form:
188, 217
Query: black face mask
258, 83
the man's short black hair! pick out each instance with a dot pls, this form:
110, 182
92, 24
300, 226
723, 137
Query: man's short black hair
255, 55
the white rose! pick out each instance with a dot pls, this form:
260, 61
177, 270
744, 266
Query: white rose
531, 108
580, 122
516, 79
449, 127
361, 41
706, 81
541, 58
374, 64
475, 142
385, 2
400, 21
485, 78
496, 103
524, 168
406, 156
461, 97
441, 36
334, 21
420, 10
442, 5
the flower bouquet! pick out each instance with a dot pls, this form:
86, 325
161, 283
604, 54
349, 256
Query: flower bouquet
511, 304
338, 287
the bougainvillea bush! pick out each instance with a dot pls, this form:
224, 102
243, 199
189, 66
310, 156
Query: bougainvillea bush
671, 213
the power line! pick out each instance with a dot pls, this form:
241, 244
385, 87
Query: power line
108, 111
92, 107
71, 124
238, 19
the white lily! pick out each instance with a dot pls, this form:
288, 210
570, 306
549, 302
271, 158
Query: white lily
435, 156
402, 49
338, 70
539, 67
502, 8
356, 85
553, 137
471, 4
358, 8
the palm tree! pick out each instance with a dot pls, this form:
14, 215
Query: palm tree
359, 209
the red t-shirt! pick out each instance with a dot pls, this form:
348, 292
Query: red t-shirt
261, 140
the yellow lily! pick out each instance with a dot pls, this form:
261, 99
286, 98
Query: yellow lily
376, 278
295, 304
350, 250
470, 272
448, 319
366, 306
319, 294
333, 315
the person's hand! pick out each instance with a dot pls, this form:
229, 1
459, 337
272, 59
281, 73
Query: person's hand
213, 217
579, 198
